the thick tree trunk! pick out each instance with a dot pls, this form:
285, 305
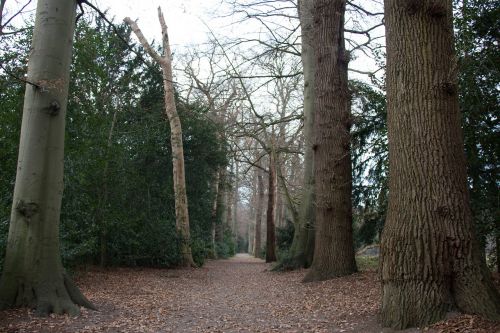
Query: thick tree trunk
430, 261
306, 217
271, 206
258, 214
334, 250
181, 202
33, 275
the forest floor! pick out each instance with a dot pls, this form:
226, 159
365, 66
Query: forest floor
240, 294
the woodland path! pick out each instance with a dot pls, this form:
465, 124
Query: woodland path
235, 295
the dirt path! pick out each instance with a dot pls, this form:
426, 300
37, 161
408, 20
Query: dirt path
235, 295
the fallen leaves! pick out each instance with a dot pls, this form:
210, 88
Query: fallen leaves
236, 295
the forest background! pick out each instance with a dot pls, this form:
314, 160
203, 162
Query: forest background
118, 205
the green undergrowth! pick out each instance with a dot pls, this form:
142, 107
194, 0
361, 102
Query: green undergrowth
367, 263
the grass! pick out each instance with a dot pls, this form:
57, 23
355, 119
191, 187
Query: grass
367, 263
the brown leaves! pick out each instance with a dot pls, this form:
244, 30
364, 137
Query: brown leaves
236, 295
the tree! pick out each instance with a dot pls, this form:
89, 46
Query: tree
431, 261
271, 206
181, 202
257, 248
302, 248
33, 273
334, 250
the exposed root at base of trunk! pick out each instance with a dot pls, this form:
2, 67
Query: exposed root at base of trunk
58, 296
322, 275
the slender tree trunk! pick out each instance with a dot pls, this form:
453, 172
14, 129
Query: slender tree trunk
229, 205
334, 250
271, 206
430, 261
33, 274
235, 226
181, 202
497, 238
103, 200
258, 214
250, 237
213, 217
306, 217
221, 214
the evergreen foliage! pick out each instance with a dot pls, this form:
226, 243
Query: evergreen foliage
118, 184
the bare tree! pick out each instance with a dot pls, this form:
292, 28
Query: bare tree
181, 201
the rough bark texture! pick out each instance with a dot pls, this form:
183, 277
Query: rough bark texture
334, 251
181, 202
305, 221
271, 206
257, 248
33, 275
430, 259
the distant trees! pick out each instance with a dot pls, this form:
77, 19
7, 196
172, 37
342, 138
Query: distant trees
33, 274
431, 261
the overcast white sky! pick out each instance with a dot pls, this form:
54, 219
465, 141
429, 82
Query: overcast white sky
186, 20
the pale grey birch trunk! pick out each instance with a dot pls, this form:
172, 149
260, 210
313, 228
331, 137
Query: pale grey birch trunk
181, 202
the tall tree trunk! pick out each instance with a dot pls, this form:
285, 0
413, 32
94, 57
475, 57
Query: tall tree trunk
221, 214
33, 274
235, 226
213, 217
271, 206
258, 214
430, 261
181, 202
250, 237
334, 250
103, 199
305, 221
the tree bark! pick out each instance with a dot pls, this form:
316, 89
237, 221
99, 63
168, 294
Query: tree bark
235, 225
306, 218
181, 202
430, 259
33, 274
334, 250
213, 217
258, 214
271, 205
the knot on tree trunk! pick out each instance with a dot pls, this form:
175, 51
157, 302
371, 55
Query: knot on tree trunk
27, 209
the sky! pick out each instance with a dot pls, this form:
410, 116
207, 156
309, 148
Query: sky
187, 21
184, 18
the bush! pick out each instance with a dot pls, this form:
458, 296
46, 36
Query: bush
200, 251
226, 248
284, 236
